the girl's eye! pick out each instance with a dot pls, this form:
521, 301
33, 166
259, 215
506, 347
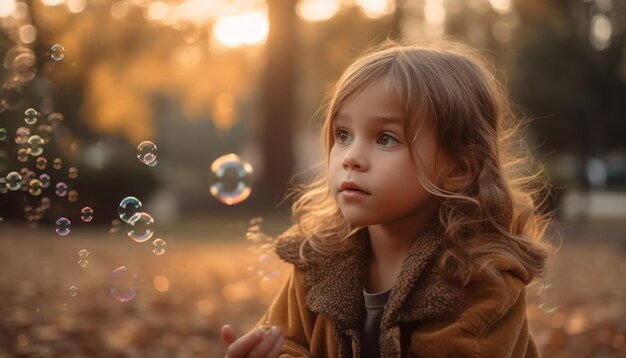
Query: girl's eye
386, 140
342, 136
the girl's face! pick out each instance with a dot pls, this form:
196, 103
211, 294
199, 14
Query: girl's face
371, 173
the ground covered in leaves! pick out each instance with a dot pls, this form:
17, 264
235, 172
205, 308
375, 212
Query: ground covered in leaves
185, 295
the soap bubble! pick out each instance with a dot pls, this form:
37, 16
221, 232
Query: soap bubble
267, 266
73, 291
72, 173
31, 116
34, 187
41, 163
83, 255
159, 247
61, 189
45, 132
123, 284
3, 134
35, 145
548, 299
72, 196
128, 207
57, 163
45, 180
63, 226
147, 152
22, 155
45, 203
231, 178
21, 135
57, 52
265, 327
3, 185
115, 227
14, 181
86, 214
140, 227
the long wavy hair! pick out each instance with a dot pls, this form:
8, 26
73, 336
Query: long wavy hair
498, 213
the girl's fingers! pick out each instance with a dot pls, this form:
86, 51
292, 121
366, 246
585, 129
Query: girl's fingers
242, 346
228, 334
276, 349
267, 344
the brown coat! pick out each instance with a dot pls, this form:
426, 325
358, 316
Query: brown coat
319, 309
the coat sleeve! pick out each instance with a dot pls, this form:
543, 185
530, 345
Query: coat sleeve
289, 312
491, 322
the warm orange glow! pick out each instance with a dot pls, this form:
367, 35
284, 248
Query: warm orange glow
158, 10
376, 8
317, 10
501, 6
76, 6
225, 110
161, 283
119, 9
28, 33
52, 2
7, 7
243, 30
434, 12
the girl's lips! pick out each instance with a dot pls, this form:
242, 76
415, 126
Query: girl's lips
351, 194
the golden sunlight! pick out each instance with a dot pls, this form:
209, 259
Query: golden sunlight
7, 7
52, 2
317, 10
247, 29
376, 8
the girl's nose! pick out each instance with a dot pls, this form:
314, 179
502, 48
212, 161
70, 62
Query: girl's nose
354, 160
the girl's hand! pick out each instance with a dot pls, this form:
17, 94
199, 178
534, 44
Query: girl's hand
255, 344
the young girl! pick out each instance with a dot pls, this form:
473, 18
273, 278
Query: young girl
420, 237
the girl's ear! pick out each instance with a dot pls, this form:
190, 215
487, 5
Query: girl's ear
458, 178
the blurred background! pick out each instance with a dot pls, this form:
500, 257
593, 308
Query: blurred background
84, 83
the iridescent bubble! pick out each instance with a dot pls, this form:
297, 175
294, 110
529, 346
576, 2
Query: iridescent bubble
63, 226
35, 145
31, 116
140, 227
86, 214
267, 267
45, 132
152, 164
57, 52
22, 155
28, 211
159, 247
231, 178
45, 180
72, 173
61, 189
45, 203
123, 284
146, 152
72, 196
14, 181
41, 163
265, 327
21, 135
548, 299
83, 256
56, 119
73, 291
57, 163
34, 187
115, 226
3, 185
3, 134
128, 207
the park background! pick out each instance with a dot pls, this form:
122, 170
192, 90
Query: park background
204, 78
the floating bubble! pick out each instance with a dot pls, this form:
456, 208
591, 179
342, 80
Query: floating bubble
57, 52
72, 196
152, 164
41, 163
548, 300
22, 155
45, 132
3, 185
34, 187
45, 180
159, 247
115, 226
265, 327
21, 135
63, 226
267, 267
83, 255
35, 145
57, 163
128, 207
147, 152
140, 227
86, 214
72, 173
3, 134
61, 189
231, 178
45, 203
73, 291
123, 284
4, 160
14, 181
31, 116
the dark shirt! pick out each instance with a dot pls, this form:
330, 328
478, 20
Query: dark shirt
370, 331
